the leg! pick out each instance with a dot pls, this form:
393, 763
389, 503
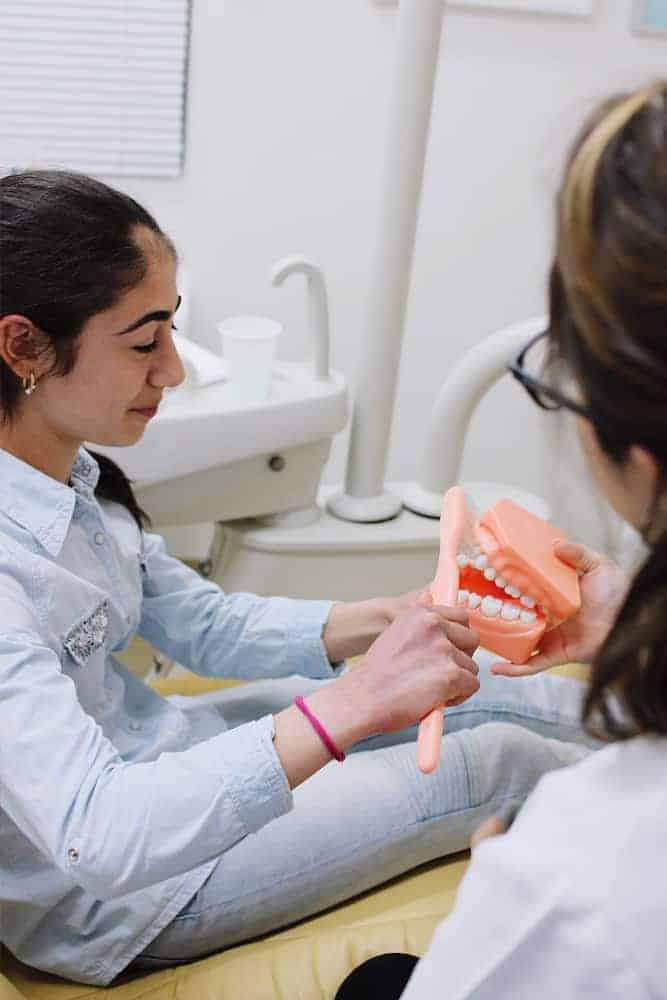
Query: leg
544, 703
353, 827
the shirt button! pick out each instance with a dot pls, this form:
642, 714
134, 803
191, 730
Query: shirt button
73, 854
100, 538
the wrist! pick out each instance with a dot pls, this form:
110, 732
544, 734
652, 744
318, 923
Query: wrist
338, 709
353, 627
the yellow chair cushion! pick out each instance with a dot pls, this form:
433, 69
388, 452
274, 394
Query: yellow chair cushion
307, 961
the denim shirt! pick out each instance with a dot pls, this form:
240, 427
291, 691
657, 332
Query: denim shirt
115, 805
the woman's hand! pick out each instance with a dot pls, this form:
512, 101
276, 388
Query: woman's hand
494, 825
603, 588
421, 661
352, 627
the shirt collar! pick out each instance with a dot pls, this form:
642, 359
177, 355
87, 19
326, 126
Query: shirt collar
41, 504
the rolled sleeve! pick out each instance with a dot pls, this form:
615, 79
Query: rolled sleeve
306, 648
261, 792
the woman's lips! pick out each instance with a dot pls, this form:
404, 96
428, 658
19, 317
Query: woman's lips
147, 413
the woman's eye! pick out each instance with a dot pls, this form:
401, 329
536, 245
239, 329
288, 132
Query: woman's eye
147, 348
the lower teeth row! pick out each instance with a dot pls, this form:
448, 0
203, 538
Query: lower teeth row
491, 607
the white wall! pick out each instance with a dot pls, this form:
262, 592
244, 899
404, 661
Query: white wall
285, 133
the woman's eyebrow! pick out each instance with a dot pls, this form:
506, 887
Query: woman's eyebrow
160, 315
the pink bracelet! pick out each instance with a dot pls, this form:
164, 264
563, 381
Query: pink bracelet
319, 729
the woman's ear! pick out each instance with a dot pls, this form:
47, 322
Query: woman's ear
21, 344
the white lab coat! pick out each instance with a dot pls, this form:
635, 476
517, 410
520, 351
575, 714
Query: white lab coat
572, 901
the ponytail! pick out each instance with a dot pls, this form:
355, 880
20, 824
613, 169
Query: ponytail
114, 485
632, 664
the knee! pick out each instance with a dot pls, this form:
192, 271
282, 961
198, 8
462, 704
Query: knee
510, 760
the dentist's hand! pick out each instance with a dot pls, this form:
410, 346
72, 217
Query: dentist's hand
603, 588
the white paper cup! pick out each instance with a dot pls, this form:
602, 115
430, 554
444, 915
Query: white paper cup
249, 346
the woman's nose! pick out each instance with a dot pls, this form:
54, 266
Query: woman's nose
168, 370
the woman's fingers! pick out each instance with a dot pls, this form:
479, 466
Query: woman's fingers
464, 661
461, 637
491, 827
534, 666
578, 556
450, 614
425, 598
551, 654
462, 684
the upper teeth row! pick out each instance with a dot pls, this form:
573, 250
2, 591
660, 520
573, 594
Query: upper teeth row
491, 607
481, 562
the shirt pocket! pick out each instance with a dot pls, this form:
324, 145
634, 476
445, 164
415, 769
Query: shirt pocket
88, 634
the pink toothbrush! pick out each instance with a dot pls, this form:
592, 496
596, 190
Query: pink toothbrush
444, 591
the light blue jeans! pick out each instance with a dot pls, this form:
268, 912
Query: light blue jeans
357, 824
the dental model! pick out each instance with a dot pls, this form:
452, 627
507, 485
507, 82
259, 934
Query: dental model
503, 570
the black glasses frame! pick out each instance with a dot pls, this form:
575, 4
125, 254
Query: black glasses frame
538, 391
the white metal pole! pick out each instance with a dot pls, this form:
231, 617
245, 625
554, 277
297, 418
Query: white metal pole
419, 30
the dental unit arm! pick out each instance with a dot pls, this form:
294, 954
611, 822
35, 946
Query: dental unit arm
502, 568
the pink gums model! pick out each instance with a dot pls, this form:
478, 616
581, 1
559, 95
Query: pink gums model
503, 570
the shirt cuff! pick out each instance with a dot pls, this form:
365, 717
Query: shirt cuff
306, 649
263, 792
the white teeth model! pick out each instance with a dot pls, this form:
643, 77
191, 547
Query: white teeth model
490, 573
480, 562
462, 560
501, 582
528, 602
490, 607
512, 591
476, 550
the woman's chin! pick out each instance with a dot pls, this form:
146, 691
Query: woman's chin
131, 433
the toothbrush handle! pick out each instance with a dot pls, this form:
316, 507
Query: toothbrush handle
432, 725
429, 739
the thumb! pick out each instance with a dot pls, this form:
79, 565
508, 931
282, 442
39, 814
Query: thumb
425, 598
552, 654
578, 556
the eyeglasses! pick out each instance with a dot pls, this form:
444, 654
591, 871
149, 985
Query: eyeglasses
545, 390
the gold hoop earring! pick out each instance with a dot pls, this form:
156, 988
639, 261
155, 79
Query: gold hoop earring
29, 384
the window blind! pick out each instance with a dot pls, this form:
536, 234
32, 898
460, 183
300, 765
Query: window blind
93, 85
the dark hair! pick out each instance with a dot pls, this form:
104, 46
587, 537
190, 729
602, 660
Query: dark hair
608, 323
67, 252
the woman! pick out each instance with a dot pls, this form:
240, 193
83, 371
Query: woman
571, 902
137, 829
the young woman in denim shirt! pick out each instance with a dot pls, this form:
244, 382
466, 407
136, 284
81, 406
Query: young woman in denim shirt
139, 829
